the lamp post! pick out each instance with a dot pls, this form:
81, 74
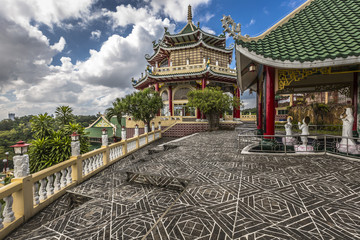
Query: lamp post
136, 130
75, 144
7, 160
104, 138
21, 160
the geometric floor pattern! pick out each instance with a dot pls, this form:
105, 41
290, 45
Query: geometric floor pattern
229, 196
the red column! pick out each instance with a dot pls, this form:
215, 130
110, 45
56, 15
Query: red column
237, 112
259, 105
270, 101
170, 101
355, 100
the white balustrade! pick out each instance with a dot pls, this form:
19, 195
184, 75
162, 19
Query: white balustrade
8, 211
131, 146
36, 193
69, 177
42, 191
49, 186
142, 141
63, 178
116, 152
157, 135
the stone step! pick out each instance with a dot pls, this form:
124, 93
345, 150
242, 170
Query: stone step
169, 182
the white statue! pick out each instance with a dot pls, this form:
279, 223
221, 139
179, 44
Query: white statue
304, 129
348, 121
290, 141
347, 144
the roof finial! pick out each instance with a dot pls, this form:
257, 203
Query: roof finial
189, 14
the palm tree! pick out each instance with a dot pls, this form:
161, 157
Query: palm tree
115, 110
64, 115
42, 125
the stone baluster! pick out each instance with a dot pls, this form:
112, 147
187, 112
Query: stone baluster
63, 178
8, 211
57, 181
91, 164
49, 186
42, 191
86, 164
36, 193
96, 163
69, 177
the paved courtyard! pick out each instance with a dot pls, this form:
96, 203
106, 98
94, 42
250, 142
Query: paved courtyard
228, 196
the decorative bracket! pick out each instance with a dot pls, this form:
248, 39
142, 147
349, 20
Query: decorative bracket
287, 76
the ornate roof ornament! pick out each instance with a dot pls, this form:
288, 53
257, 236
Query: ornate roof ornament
229, 25
189, 17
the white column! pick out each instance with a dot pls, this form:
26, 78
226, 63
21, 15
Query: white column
136, 131
153, 127
123, 133
146, 129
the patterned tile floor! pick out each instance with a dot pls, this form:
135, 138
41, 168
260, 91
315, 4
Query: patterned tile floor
230, 196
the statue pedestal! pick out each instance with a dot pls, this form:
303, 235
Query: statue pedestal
289, 141
303, 148
347, 148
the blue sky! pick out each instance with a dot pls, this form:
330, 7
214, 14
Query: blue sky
83, 53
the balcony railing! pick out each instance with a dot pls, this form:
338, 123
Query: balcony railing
24, 197
192, 68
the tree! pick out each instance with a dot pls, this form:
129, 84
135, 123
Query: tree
42, 125
117, 110
142, 106
212, 102
64, 115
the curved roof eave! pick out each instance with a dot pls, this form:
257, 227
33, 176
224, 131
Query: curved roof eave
226, 50
297, 64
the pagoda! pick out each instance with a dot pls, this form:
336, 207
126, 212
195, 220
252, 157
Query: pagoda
191, 59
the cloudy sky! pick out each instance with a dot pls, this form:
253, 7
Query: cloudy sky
83, 53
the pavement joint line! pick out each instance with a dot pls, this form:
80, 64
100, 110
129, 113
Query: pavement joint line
163, 215
178, 140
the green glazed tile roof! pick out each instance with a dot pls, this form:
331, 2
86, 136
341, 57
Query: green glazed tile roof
325, 29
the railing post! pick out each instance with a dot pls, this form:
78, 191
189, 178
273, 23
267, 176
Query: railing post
76, 168
23, 199
137, 142
325, 144
125, 147
106, 155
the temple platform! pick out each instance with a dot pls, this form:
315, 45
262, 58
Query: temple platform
228, 196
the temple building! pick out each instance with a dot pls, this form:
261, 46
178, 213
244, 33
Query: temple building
191, 59
316, 48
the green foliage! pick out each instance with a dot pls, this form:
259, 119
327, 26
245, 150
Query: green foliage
212, 102
51, 147
42, 125
85, 120
64, 115
117, 110
142, 106
6, 124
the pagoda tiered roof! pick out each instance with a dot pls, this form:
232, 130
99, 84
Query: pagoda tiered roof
319, 33
187, 73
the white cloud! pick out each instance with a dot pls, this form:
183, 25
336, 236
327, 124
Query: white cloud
4, 99
59, 46
266, 11
95, 35
176, 9
206, 18
48, 12
252, 22
208, 30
